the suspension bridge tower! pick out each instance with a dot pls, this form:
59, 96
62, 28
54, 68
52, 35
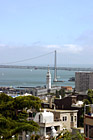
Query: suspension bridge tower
55, 69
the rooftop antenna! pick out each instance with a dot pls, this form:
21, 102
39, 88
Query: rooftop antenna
55, 69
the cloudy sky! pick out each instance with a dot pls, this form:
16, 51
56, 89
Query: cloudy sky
31, 28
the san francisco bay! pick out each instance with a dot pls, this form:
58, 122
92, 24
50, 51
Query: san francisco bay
32, 77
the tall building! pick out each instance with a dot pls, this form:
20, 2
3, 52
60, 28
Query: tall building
83, 81
48, 80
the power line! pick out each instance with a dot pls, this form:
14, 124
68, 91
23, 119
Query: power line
28, 59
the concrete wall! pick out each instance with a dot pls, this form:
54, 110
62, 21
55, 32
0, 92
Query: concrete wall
83, 81
65, 119
88, 120
68, 124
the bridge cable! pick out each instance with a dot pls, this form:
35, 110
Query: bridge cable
28, 58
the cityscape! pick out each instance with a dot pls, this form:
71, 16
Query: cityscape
46, 70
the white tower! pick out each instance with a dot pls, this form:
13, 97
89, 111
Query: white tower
48, 79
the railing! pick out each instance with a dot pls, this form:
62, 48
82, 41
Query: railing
56, 120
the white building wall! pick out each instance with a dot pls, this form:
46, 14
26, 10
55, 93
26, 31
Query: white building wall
48, 80
44, 117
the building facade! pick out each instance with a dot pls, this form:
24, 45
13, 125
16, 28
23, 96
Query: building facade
88, 124
48, 80
59, 119
83, 81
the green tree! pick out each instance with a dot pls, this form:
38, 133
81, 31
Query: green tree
66, 135
87, 101
13, 115
60, 92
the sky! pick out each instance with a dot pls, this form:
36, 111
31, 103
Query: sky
31, 28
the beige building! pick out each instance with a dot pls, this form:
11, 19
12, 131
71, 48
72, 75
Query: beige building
52, 122
67, 118
67, 88
38, 91
59, 119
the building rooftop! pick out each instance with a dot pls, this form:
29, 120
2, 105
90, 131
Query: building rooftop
61, 111
84, 72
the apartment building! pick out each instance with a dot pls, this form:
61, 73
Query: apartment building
83, 81
52, 122
59, 119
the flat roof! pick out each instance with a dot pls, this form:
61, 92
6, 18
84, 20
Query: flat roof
84, 72
62, 111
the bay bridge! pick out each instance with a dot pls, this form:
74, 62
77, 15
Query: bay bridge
55, 67
45, 67
69, 68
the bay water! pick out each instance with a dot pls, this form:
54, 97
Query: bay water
31, 77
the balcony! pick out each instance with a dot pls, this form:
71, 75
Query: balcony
88, 110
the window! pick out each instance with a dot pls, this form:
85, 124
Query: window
71, 118
86, 130
39, 118
64, 118
75, 118
62, 106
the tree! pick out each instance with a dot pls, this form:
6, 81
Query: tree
60, 92
87, 101
66, 135
10, 127
13, 115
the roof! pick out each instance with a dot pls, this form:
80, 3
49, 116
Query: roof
45, 113
61, 111
66, 86
84, 72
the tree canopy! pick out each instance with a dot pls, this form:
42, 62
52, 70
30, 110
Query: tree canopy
89, 99
66, 135
13, 114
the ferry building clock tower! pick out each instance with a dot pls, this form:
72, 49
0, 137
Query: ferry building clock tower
48, 79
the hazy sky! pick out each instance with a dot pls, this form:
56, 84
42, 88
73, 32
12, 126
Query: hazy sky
29, 28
